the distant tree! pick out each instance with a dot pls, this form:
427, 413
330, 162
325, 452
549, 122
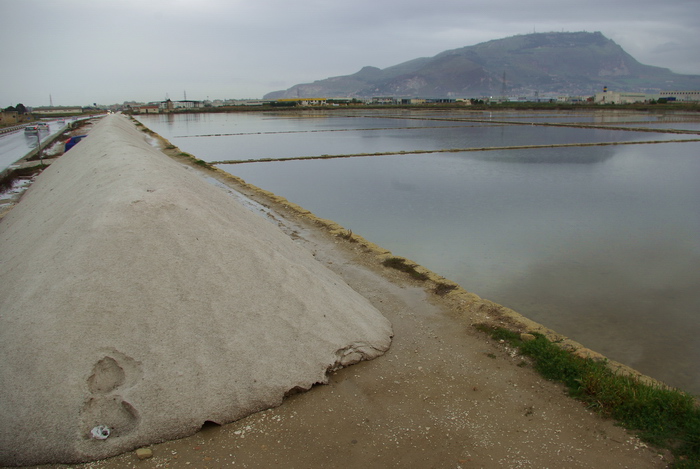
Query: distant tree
10, 109
21, 109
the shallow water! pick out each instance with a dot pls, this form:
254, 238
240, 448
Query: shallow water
599, 243
240, 137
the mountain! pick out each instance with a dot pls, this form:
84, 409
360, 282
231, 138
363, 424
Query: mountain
578, 63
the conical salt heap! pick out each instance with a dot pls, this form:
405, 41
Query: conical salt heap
138, 297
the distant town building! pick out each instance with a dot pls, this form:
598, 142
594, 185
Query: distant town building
383, 100
131, 104
148, 109
683, 96
623, 97
188, 104
9, 118
166, 106
304, 101
244, 102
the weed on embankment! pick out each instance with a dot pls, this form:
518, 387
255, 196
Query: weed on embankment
665, 418
8, 179
400, 264
201, 163
347, 236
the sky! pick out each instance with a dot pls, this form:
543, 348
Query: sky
80, 52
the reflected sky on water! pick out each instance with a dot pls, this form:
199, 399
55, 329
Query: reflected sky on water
251, 136
599, 243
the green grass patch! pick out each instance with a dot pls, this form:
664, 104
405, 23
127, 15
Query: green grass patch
400, 264
202, 163
665, 418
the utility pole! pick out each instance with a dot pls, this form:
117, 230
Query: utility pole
503, 88
38, 145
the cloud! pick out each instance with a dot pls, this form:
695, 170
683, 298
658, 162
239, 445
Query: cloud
83, 51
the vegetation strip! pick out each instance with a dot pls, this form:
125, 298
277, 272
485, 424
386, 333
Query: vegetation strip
449, 150
598, 126
557, 124
488, 122
665, 418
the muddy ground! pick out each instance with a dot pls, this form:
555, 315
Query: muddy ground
444, 396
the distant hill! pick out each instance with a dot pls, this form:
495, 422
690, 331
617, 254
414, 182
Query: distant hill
578, 63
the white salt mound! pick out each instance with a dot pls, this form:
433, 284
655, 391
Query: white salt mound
136, 296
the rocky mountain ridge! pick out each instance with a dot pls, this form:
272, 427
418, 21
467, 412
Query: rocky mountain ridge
575, 63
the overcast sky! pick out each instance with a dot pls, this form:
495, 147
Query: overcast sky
110, 51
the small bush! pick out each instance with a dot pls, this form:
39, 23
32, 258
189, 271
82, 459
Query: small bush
347, 235
8, 180
400, 264
442, 289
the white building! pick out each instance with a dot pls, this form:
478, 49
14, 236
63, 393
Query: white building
623, 97
188, 104
682, 96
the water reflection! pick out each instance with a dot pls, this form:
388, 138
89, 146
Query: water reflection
557, 155
642, 320
600, 243
257, 136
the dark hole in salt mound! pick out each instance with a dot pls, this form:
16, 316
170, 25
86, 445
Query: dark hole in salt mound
209, 426
295, 390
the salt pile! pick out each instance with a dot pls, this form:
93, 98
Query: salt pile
137, 297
